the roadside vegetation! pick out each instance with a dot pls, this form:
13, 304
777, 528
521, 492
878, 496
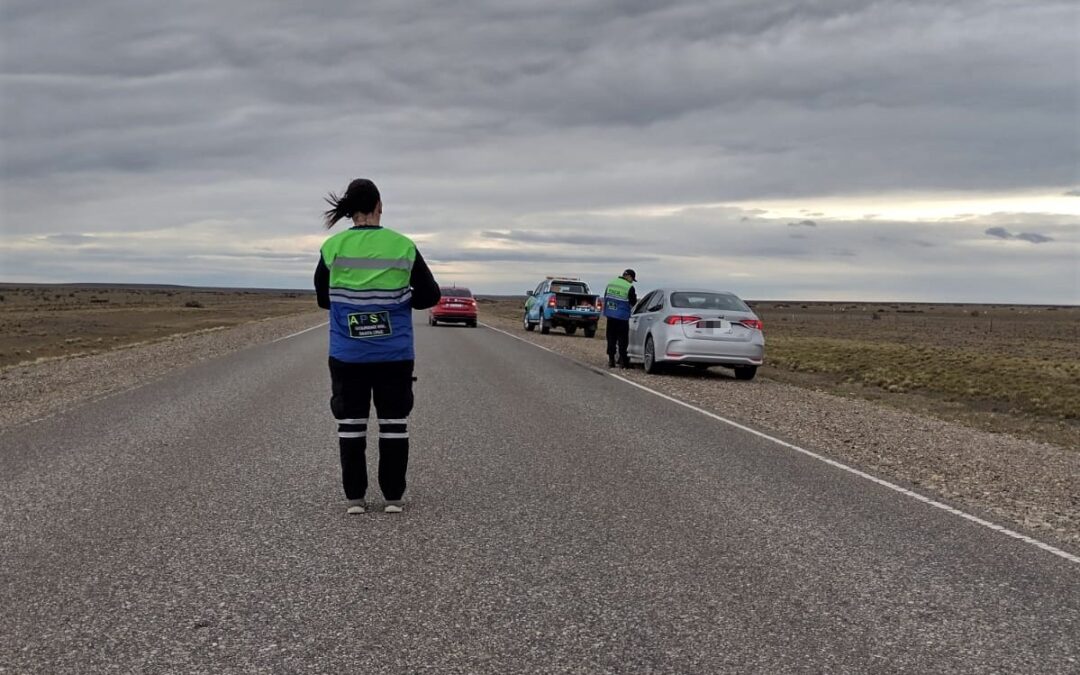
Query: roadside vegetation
49, 321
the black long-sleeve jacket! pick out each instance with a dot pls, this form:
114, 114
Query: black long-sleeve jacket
425, 291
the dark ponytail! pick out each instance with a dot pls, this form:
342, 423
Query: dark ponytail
360, 197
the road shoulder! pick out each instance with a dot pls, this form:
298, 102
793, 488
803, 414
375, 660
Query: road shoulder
34, 391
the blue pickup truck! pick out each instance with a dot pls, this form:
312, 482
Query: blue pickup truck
562, 302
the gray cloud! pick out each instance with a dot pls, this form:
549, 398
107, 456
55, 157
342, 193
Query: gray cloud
803, 223
1003, 233
1034, 237
440, 255
488, 78
1072, 193
305, 258
213, 125
70, 239
704, 246
553, 237
903, 235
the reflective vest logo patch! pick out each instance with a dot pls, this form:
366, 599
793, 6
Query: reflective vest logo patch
369, 324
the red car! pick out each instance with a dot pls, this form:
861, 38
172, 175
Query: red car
457, 305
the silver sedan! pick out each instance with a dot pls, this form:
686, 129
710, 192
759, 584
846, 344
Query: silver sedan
697, 327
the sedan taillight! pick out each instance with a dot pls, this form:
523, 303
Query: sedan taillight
753, 323
676, 319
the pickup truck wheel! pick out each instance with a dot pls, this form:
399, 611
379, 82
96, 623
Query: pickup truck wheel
432, 321
651, 366
471, 324
529, 325
545, 326
570, 330
590, 332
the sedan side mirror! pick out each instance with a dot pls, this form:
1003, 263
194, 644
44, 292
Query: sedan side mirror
528, 294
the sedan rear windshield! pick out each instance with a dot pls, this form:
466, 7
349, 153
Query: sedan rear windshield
720, 301
456, 293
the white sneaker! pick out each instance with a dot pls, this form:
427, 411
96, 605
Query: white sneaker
355, 508
393, 508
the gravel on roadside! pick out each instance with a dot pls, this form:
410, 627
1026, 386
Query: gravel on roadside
32, 391
1035, 486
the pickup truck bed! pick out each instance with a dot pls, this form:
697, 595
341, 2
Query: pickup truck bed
549, 309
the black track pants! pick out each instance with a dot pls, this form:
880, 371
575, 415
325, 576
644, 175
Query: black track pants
618, 336
354, 386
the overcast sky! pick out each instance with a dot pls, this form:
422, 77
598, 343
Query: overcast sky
809, 149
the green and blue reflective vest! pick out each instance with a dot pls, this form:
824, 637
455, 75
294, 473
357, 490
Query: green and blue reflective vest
370, 296
617, 299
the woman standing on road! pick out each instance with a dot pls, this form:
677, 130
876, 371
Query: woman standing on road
371, 278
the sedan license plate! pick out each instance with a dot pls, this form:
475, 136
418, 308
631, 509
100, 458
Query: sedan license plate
715, 327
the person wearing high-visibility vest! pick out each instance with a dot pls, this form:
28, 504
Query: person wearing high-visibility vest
371, 279
619, 299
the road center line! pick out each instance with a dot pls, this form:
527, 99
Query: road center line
831, 462
299, 332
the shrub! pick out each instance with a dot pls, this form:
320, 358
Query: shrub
193, 303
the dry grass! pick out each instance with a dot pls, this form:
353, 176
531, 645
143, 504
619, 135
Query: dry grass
1002, 368
1002, 382
51, 321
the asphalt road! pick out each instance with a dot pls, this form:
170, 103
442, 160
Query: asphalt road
558, 520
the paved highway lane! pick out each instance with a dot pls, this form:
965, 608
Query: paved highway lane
558, 521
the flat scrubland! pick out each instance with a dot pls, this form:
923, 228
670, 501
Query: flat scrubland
1003, 368
49, 321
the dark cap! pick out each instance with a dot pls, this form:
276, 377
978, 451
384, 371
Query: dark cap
631, 274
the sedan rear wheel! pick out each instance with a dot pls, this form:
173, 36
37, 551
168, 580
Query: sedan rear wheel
528, 324
651, 366
745, 372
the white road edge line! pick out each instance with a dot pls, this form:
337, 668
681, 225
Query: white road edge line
831, 462
299, 332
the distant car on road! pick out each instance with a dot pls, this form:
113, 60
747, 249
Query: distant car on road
562, 302
457, 305
670, 326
